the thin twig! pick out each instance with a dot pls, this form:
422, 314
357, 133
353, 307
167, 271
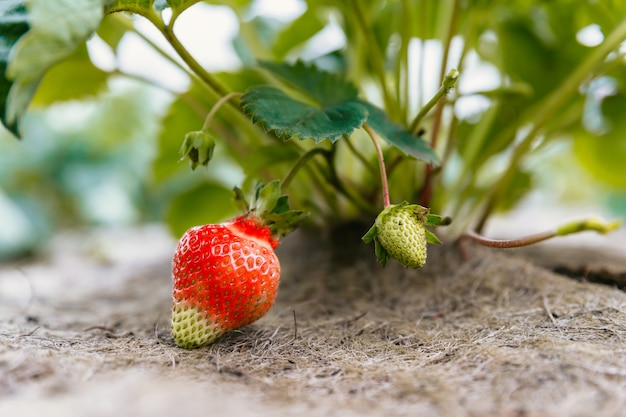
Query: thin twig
216, 107
508, 244
381, 164
299, 164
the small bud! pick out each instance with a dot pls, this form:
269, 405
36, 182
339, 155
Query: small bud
450, 80
198, 147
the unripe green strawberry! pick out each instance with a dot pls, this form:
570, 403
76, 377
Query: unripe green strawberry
225, 277
399, 232
403, 235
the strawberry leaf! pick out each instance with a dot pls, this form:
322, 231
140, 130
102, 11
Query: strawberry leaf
288, 117
177, 6
13, 24
141, 7
73, 78
331, 91
398, 136
194, 201
55, 29
327, 88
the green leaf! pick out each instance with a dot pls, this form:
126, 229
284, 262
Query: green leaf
202, 204
141, 7
113, 28
326, 88
240, 79
266, 156
519, 186
71, 79
298, 32
255, 39
13, 24
179, 120
538, 47
603, 153
160, 5
398, 136
288, 117
56, 29
177, 6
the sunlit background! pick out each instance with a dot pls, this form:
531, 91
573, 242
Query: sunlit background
91, 163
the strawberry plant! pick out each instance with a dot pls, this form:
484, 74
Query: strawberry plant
348, 134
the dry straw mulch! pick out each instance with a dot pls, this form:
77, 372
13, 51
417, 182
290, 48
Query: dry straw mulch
84, 331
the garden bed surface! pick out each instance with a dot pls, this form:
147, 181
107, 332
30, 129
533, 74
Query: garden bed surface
84, 330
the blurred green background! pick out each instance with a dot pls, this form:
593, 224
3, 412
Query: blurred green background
100, 143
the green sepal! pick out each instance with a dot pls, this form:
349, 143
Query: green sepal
381, 253
436, 220
240, 201
270, 208
266, 198
198, 147
281, 224
432, 238
370, 235
282, 205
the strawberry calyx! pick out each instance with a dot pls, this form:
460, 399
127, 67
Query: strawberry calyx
267, 209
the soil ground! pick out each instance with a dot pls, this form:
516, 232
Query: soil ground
84, 330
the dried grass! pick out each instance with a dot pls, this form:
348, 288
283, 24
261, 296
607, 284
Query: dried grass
493, 336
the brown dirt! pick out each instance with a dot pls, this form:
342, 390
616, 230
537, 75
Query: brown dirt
84, 331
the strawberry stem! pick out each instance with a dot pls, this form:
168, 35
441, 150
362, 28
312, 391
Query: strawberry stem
299, 164
566, 229
509, 243
381, 164
447, 83
216, 107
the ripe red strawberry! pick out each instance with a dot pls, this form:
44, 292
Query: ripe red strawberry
226, 275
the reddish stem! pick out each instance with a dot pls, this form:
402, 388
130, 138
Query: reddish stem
512, 243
